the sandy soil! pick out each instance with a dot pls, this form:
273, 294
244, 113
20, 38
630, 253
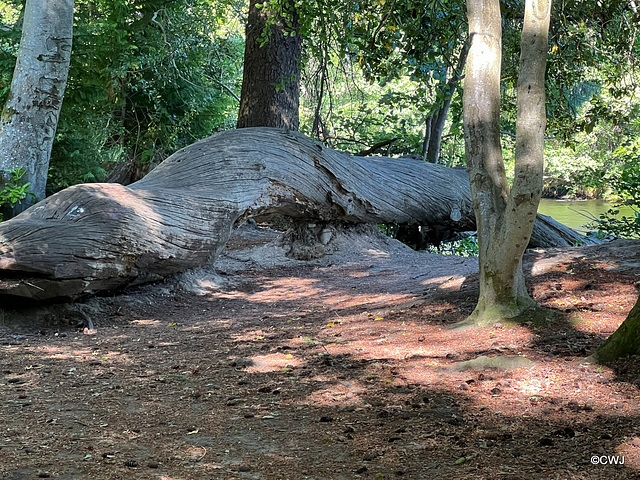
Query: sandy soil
344, 367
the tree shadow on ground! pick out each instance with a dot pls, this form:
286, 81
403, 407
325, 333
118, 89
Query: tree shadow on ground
279, 382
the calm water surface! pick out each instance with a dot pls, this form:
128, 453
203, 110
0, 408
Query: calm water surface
572, 212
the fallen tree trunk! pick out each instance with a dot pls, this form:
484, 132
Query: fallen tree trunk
94, 237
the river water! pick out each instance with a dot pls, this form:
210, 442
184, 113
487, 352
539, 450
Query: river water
578, 213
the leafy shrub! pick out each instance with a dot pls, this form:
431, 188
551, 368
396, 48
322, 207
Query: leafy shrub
14, 191
627, 186
466, 247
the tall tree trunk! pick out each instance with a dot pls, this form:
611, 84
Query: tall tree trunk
435, 124
624, 341
504, 216
30, 116
271, 80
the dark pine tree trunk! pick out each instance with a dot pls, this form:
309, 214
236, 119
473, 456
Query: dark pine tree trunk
271, 80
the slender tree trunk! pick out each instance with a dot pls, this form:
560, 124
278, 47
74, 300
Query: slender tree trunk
504, 216
427, 138
30, 116
271, 80
624, 341
433, 139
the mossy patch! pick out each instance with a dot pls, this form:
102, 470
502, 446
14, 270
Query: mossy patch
535, 317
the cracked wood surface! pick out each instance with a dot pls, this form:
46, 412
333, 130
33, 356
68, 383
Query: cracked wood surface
96, 237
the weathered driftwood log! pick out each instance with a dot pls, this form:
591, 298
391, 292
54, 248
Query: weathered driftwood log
94, 237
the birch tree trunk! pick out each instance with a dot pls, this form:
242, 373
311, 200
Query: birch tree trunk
30, 116
504, 216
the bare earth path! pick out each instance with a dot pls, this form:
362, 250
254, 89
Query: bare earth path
340, 368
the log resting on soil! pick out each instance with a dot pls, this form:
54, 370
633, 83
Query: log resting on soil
96, 237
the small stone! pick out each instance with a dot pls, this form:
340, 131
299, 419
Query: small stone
244, 468
153, 464
567, 432
326, 419
43, 474
546, 442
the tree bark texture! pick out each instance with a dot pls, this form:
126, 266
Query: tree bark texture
436, 122
30, 116
95, 237
624, 341
505, 216
270, 94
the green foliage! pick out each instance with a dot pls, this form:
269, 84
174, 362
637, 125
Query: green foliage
377, 70
146, 78
369, 57
13, 190
627, 186
466, 247
149, 77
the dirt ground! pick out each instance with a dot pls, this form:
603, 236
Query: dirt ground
340, 368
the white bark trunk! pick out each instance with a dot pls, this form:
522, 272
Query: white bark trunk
30, 116
505, 217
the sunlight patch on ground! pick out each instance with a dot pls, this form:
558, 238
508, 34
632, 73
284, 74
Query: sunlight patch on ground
82, 355
272, 363
446, 283
147, 322
377, 253
631, 452
420, 354
297, 289
551, 264
344, 393
548, 390
389, 340
251, 336
592, 309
